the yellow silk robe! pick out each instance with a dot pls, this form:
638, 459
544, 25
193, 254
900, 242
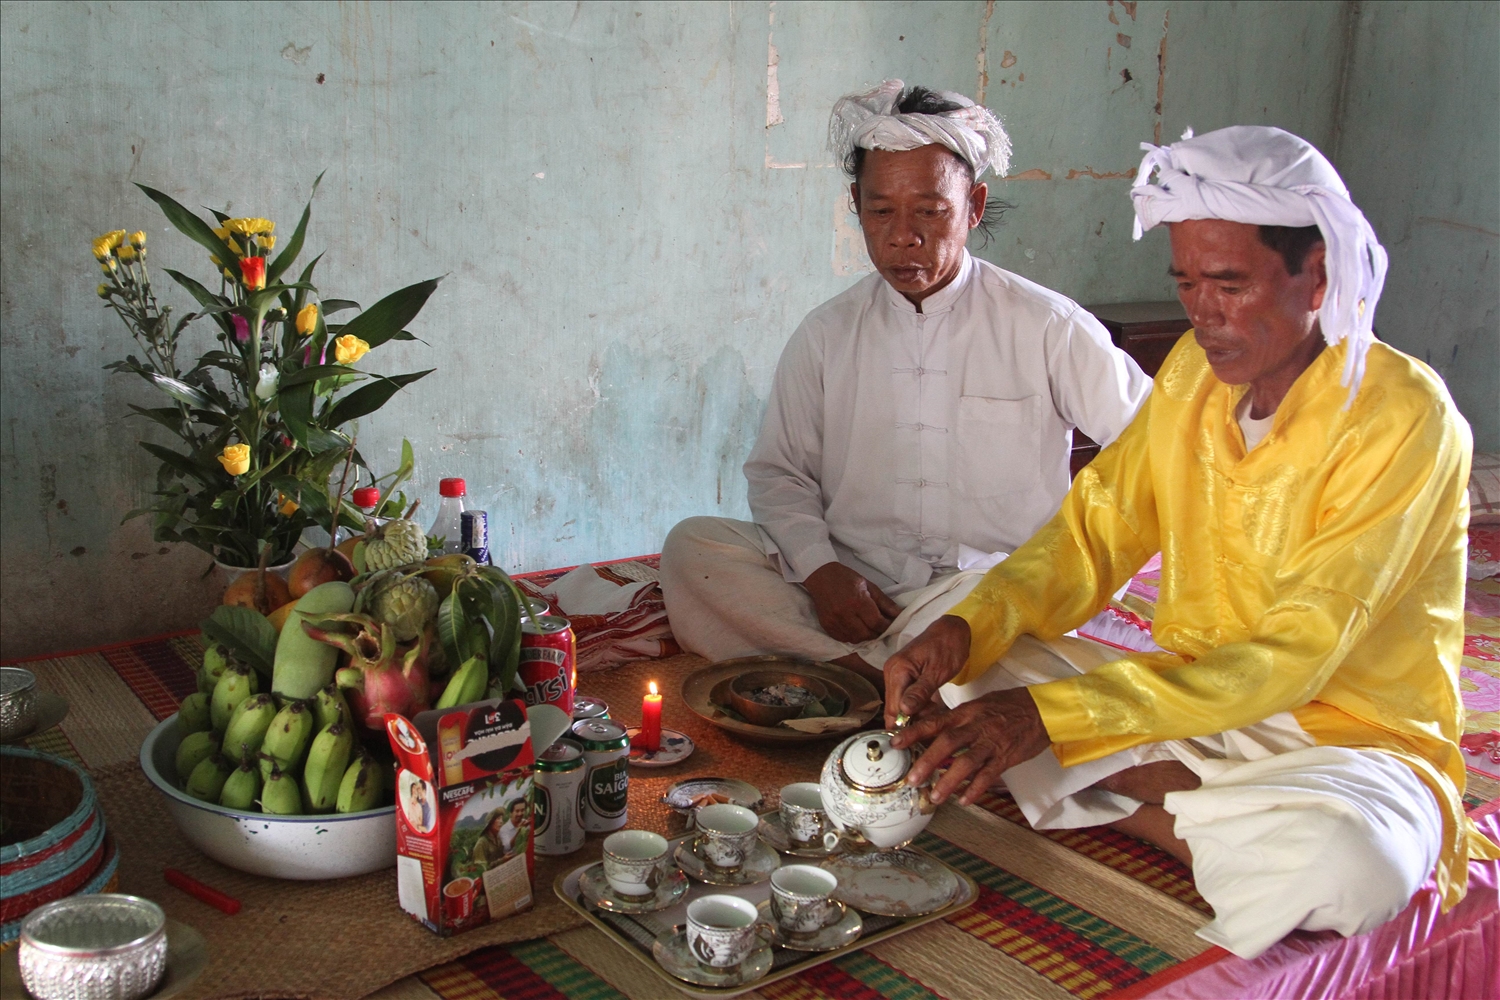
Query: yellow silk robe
1322, 574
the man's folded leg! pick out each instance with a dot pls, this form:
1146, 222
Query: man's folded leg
726, 596
1324, 838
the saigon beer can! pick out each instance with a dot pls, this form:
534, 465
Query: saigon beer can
586, 706
606, 774
549, 663
558, 806
474, 531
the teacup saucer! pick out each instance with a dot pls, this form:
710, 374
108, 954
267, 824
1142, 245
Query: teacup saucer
893, 883
671, 953
841, 933
596, 892
773, 831
757, 867
675, 748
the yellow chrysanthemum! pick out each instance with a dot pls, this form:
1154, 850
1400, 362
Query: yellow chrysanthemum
106, 243
267, 242
138, 238
349, 349
108, 265
103, 291
126, 252
250, 227
307, 319
236, 459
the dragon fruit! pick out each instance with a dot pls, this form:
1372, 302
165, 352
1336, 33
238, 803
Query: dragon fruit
382, 675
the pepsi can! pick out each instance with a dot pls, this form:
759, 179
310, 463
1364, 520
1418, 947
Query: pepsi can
474, 530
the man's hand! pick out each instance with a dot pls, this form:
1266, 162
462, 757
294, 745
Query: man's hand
850, 608
932, 659
999, 730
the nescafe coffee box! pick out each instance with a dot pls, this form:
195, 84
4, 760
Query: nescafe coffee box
464, 851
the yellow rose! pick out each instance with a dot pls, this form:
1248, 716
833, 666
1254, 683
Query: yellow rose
349, 349
307, 318
285, 505
126, 252
236, 459
138, 238
250, 227
268, 242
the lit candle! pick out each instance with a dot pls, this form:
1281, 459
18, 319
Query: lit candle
650, 737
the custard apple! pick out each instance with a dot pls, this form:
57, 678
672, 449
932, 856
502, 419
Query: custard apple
401, 543
405, 606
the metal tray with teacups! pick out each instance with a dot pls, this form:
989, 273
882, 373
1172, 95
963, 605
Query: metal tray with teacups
723, 937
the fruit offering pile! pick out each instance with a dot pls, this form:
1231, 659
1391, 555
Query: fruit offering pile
382, 630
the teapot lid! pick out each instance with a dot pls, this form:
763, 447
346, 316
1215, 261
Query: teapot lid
870, 762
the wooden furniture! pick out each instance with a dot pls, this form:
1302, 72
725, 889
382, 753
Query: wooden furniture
1144, 330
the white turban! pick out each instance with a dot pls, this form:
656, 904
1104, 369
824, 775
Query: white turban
870, 121
1268, 177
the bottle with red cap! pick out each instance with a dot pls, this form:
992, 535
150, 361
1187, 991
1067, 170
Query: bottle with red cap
365, 499
449, 523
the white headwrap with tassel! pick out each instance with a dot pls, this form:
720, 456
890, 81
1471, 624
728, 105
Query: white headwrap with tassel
1265, 176
870, 121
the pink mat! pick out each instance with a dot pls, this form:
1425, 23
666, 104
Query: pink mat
1422, 954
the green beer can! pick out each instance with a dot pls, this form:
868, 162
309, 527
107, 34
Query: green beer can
606, 768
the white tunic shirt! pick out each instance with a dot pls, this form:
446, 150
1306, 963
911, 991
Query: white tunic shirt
893, 437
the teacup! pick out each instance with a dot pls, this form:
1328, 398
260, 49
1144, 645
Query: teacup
800, 900
802, 814
726, 835
721, 930
633, 862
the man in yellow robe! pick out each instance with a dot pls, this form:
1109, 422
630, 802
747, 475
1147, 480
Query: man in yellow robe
1296, 737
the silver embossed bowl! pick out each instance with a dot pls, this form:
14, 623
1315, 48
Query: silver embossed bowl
105, 947
17, 702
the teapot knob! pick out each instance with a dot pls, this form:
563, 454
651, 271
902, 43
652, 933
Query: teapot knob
872, 750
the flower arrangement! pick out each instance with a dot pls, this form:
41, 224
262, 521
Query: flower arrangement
263, 413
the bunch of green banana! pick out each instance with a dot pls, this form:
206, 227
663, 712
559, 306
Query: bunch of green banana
249, 751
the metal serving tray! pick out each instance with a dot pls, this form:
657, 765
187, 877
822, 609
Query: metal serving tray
637, 932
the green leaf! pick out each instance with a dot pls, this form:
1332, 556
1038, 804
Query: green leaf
386, 318
181, 391
369, 398
453, 628
293, 246
206, 299
182, 463
245, 631
331, 306
190, 225
312, 373
296, 406
169, 417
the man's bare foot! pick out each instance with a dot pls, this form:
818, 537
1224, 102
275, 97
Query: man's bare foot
1151, 783
1153, 824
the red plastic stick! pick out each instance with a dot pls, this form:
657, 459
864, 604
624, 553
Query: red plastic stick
213, 897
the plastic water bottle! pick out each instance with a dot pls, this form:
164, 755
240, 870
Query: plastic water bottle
449, 523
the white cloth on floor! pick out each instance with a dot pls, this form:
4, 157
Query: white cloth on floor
613, 622
893, 437
1285, 835
727, 598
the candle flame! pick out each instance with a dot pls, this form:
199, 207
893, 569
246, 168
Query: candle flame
652, 686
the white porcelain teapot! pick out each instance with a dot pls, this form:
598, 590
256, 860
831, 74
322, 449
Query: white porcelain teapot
865, 791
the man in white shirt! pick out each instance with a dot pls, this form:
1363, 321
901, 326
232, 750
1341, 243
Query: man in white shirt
920, 423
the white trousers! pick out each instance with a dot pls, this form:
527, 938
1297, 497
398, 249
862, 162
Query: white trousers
1285, 835
726, 597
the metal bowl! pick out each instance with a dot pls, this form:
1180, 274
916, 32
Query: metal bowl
17, 702
104, 947
759, 714
334, 845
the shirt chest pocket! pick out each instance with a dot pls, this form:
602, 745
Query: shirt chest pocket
998, 445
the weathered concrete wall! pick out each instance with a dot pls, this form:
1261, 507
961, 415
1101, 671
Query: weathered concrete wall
1419, 148
633, 206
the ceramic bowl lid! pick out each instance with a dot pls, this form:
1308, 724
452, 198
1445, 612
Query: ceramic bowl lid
871, 762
